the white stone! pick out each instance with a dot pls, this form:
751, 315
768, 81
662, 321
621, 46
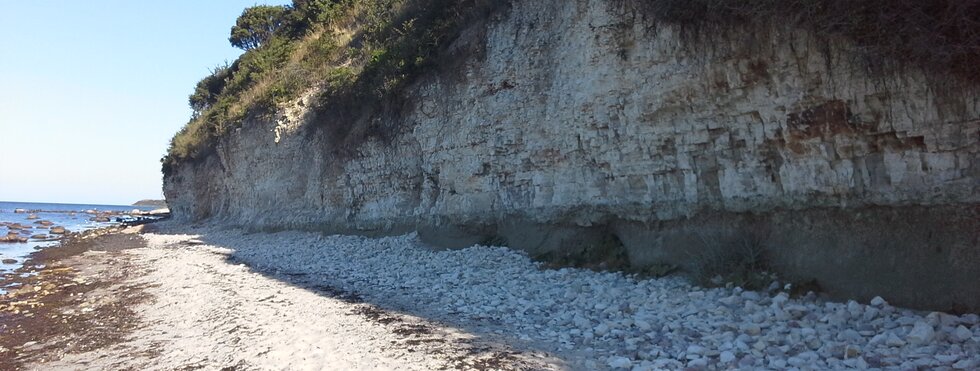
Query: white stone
780, 299
726, 357
695, 349
878, 339
894, 341
506, 287
700, 362
751, 329
947, 358
642, 325
870, 313
807, 332
965, 364
620, 362
878, 302
733, 300
921, 333
751, 295
601, 329
861, 364
854, 307
961, 334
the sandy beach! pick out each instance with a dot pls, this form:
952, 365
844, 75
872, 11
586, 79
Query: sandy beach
173, 296
119, 301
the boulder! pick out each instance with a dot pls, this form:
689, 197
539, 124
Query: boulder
921, 333
44, 222
8, 261
39, 237
13, 237
32, 217
58, 230
20, 211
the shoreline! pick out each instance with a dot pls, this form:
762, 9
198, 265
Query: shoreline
195, 297
26, 230
71, 298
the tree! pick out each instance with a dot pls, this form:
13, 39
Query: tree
208, 89
256, 25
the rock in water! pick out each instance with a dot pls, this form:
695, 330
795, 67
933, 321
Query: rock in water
921, 334
58, 230
9, 261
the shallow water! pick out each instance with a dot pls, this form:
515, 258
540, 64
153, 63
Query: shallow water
70, 216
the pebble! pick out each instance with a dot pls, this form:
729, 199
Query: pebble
962, 334
878, 302
751, 329
894, 341
620, 362
965, 364
601, 330
698, 363
921, 333
726, 357
663, 323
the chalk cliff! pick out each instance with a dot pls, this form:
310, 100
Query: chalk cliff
583, 122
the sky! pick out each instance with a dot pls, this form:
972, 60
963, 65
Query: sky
92, 91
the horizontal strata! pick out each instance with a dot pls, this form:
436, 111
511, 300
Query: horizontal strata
580, 123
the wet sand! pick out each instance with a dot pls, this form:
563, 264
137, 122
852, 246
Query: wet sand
73, 298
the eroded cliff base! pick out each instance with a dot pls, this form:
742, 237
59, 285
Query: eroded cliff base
586, 133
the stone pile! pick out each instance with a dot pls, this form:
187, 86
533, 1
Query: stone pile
609, 320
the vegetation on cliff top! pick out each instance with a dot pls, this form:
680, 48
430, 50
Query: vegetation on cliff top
354, 53
358, 54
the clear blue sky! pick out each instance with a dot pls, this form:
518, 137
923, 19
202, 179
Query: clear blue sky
92, 91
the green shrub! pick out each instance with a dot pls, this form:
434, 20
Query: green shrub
209, 89
257, 25
360, 55
740, 262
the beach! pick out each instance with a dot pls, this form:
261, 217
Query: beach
174, 296
72, 298
29, 226
112, 300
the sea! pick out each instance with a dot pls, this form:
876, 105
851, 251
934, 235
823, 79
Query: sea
71, 216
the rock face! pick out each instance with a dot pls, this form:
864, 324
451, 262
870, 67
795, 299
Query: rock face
583, 126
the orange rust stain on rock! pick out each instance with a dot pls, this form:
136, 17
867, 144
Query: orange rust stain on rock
823, 121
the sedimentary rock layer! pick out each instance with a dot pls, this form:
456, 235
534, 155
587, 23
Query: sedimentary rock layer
582, 122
